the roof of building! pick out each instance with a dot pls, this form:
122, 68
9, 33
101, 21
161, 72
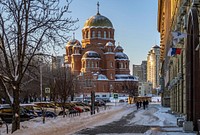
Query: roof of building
102, 77
118, 49
91, 54
156, 46
121, 55
98, 20
73, 42
109, 44
119, 77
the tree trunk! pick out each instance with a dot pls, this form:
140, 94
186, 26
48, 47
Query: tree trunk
16, 110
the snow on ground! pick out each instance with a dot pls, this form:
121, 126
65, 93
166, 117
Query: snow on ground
156, 116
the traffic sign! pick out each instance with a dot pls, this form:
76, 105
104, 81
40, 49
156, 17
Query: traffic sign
47, 90
115, 95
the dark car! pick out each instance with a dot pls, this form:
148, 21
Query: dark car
7, 115
46, 113
99, 103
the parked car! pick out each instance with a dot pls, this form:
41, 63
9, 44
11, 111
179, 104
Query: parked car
46, 113
99, 103
7, 115
38, 110
48, 107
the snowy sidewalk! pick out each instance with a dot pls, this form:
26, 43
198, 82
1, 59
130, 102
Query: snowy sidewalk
154, 116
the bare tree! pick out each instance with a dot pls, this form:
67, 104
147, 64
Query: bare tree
65, 85
131, 88
28, 28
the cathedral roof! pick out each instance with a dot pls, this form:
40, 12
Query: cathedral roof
121, 55
98, 20
118, 49
156, 46
109, 44
73, 42
91, 54
102, 77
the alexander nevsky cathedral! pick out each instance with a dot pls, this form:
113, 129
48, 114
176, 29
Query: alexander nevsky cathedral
100, 65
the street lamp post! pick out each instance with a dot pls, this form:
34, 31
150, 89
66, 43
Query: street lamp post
93, 94
41, 83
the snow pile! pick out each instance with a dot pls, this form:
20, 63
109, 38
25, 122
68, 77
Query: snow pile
69, 125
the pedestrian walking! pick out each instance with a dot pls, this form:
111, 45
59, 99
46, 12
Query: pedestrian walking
140, 104
137, 104
147, 103
144, 104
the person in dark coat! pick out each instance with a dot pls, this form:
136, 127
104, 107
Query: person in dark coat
140, 104
137, 104
144, 104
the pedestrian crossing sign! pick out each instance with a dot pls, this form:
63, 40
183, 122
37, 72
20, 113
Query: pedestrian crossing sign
115, 95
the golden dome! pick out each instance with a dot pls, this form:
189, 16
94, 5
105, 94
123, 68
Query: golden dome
98, 21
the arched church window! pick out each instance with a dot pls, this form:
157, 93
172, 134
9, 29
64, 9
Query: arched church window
89, 34
92, 64
88, 64
97, 64
111, 76
109, 49
104, 34
109, 34
126, 65
93, 34
86, 34
70, 51
117, 64
99, 34
121, 65
111, 64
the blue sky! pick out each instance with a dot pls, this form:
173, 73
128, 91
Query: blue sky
134, 21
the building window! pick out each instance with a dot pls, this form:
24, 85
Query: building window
93, 34
104, 35
86, 35
120, 65
103, 95
92, 64
97, 64
99, 34
109, 34
126, 65
88, 64
117, 64
111, 64
70, 51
